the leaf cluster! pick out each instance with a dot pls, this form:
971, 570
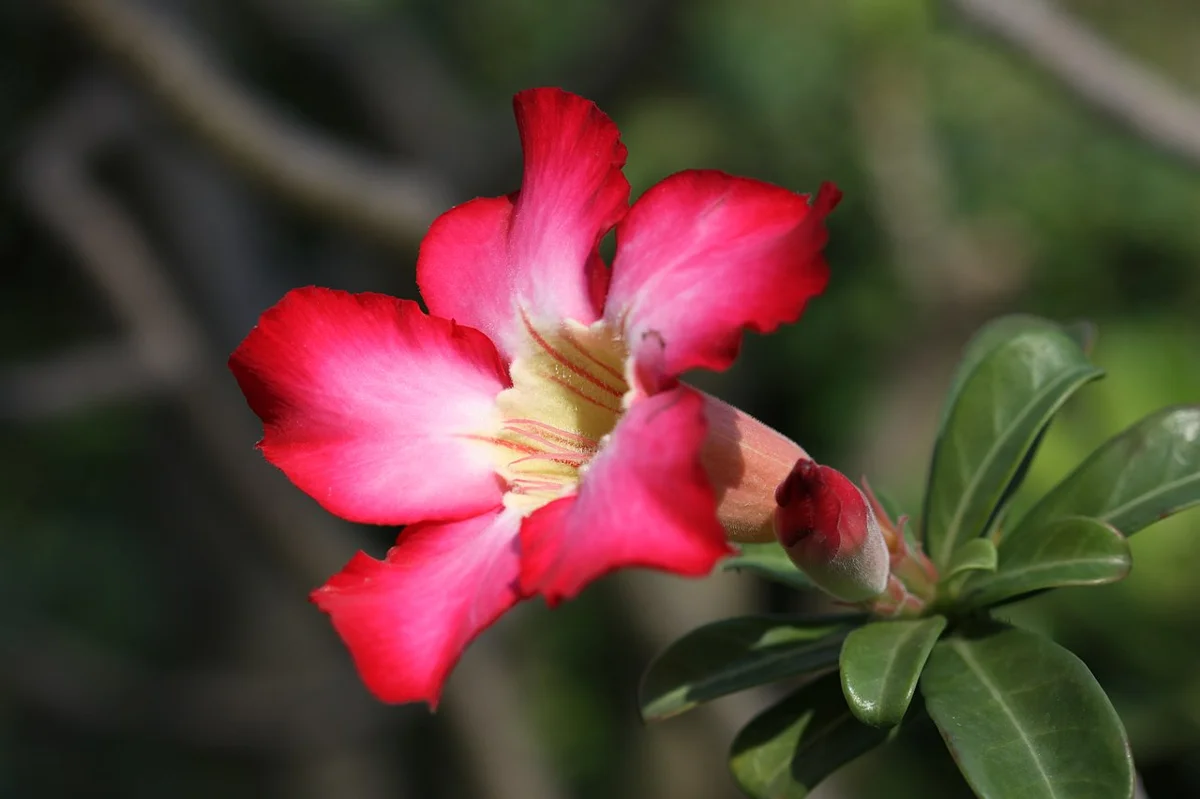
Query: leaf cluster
1023, 717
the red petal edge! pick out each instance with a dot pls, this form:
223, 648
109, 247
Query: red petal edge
408, 618
535, 250
703, 256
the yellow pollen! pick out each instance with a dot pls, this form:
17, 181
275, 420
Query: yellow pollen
568, 384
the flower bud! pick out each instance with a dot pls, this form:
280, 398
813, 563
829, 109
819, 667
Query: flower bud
830, 532
745, 460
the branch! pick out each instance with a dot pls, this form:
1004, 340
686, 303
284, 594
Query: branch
164, 333
417, 99
89, 375
413, 96
168, 338
394, 204
72, 679
1102, 77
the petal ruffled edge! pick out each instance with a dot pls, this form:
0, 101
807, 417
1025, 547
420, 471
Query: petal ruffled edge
407, 619
704, 255
486, 261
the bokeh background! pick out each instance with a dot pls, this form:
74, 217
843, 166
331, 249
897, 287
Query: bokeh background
172, 167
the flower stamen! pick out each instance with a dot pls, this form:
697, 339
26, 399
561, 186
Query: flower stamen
554, 418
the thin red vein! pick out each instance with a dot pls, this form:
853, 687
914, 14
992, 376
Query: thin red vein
550, 434
567, 362
549, 442
585, 352
574, 389
565, 458
503, 442
526, 486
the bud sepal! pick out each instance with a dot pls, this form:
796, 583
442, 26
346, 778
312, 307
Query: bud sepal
844, 540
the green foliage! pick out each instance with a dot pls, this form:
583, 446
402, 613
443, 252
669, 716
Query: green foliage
1015, 376
1071, 551
768, 560
1142, 475
789, 748
736, 654
881, 663
1023, 717
978, 554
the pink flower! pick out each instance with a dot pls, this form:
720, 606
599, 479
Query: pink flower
532, 431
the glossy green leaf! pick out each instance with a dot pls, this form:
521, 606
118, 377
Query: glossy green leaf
770, 561
978, 554
736, 654
1025, 719
1144, 474
786, 750
985, 341
999, 409
1070, 551
880, 665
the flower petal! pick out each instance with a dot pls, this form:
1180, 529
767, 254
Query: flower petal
368, 405
644, 501
407, 619
483, 260
703, 255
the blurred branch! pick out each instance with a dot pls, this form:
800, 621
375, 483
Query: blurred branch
391, 203
948, 265
171, 343
937, 255
89, 375
417, 99
414, 98
96, 689
1091, 69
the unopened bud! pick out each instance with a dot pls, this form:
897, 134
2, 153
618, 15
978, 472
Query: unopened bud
830, 532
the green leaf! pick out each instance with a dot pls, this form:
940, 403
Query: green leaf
978, 554
786, 750
880, 665
1025, 719
736, 654
1144, 474
985, 341
1070, 551
1014, 378
767, 560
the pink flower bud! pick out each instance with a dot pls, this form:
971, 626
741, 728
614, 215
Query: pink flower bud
745, 460
830, 532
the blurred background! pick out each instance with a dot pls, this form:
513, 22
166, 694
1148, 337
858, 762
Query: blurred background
171, 168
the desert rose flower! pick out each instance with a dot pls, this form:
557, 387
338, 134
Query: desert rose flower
532, 431
830, 532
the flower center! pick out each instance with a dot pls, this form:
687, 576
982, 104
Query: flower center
566, 397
